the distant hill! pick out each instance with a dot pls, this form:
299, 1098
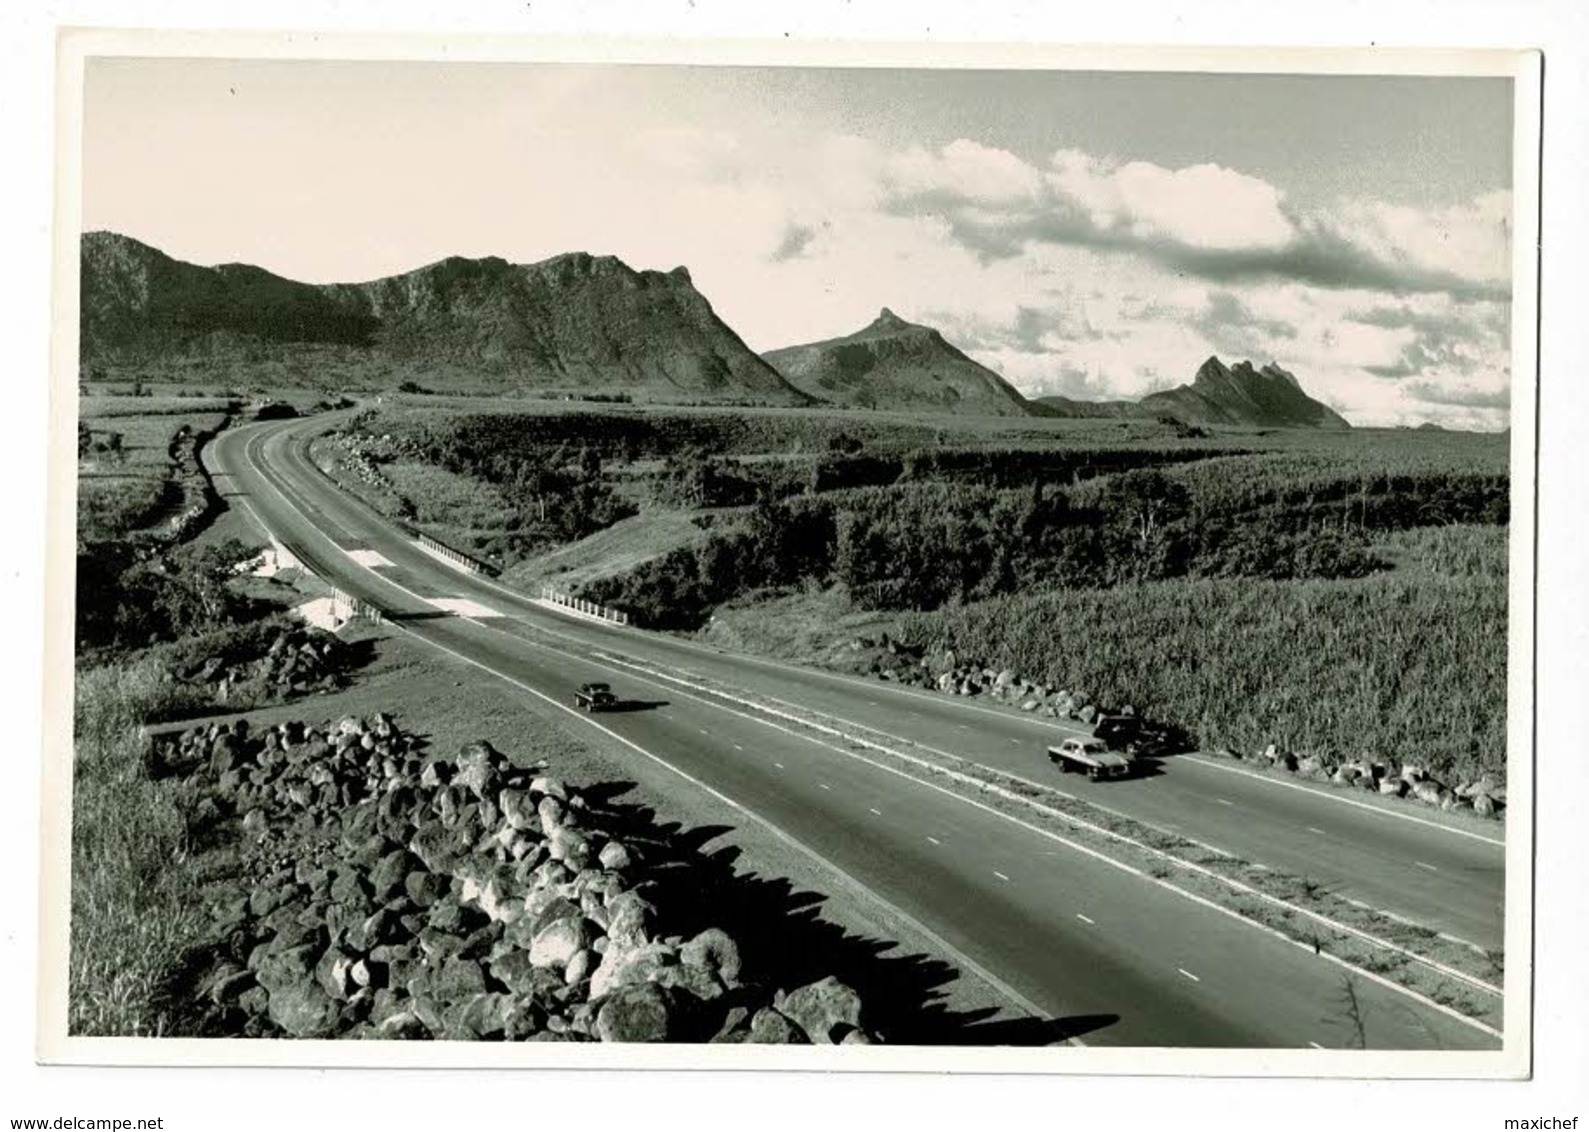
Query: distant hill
1241, 395
894, 364
581, 321
1057, 406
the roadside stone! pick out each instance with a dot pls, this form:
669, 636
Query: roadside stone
640, 1013
303, 1010
713, 950
769, 1027
557, 943
821, 1006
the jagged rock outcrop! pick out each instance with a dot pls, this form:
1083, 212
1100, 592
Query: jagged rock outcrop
894, 364
1242, 395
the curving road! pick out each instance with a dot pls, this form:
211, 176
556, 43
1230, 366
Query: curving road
1066, 934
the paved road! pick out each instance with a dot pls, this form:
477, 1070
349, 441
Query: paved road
1069, 936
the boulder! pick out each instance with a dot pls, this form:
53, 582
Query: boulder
1429, 792
713, 950
477, 768
614, 855
580, 967
629, 918
559, 941
1394, 786
698, 982
820, 1007
639, 1013
546, 785
625, 966
518, 809
303, 1010
570, 847
768, 1027
483, 1015
1483, 805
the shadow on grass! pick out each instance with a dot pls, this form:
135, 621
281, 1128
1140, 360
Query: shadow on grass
787, 943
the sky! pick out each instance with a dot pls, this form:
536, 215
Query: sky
1089, 234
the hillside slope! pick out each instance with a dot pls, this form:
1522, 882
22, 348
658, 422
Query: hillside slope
899, 365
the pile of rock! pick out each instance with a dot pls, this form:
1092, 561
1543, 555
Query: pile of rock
297, 660
361, 456
946, 672
1484, 796
387, 895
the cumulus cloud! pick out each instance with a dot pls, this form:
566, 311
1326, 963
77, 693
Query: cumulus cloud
1466, 396
1205, 220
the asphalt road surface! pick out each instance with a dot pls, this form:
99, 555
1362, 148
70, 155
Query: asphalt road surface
1114, 957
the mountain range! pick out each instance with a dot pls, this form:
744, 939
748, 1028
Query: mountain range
574, 321
592, 323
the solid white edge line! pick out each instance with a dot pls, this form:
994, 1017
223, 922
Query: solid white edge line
1333, 796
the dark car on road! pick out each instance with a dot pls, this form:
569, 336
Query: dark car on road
595, 697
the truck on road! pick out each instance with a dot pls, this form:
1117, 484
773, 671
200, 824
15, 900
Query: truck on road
1091, 757
595, 697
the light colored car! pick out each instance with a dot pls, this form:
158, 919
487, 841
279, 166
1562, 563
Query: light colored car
1091, 757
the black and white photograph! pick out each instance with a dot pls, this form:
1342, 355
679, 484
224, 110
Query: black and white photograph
709, 559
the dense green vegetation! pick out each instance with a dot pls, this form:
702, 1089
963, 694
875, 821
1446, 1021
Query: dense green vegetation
1334, 591
921, 546
1408, 665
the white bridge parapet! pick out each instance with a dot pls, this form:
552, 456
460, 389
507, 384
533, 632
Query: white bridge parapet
555, 597
444, 553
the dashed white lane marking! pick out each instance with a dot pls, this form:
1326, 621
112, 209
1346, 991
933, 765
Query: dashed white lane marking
1317, 830
1000, 875
1085, 920
963, 726
370, 558
1315, 1045
1015, 742
1189, 974
874, 703
462, 607
1224, 801
703, 731
778, 765
737, 747
934, 840
1421, 865
876, 811
824, 786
